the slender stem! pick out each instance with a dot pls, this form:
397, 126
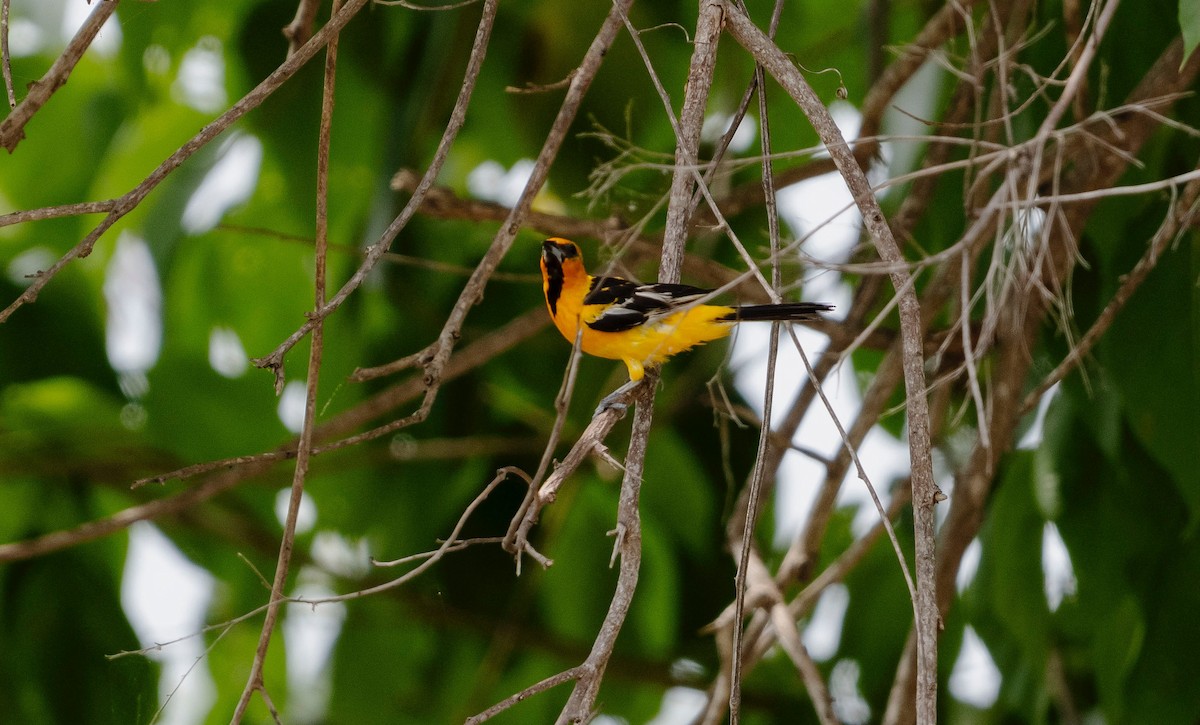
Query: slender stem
12, 129
458, 117
761, 468
5, 59
304, 447
925, 491
629, 546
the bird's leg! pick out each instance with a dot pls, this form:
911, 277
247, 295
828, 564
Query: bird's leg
616, 399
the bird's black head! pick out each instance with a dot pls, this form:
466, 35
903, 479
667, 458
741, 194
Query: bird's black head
556, 250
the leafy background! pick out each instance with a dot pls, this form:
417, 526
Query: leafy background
1114, 470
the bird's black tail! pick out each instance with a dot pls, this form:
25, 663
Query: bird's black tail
785, 311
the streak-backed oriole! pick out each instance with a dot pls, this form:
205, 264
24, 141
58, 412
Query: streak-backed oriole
641, 324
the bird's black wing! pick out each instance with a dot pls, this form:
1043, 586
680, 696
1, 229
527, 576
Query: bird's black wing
631, 304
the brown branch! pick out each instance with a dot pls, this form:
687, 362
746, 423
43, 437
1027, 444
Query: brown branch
304, 446
712, 215
549, 683
790, 641
300, 29
762, 638
862, 475
5, 59
198, 469
516, 539
687, 143
458, 116
92, 530
629, 546
772, 615
449, 544
54, 212
925, 491
746, 518
12, 129
126, 203
477, 353
592, 439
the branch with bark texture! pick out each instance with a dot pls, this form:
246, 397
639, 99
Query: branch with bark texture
304, 447
925, 492
12, 129
1015, 337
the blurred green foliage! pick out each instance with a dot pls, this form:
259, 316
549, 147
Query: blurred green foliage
1116, 471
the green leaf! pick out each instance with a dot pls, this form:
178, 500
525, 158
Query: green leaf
1009, 570
1168, 630
654, 616
576, 590
1160, 392
1189, 24
677, 491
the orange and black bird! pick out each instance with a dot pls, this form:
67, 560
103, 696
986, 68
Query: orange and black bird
641, 324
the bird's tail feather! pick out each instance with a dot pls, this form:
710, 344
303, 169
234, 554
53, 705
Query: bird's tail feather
785, 311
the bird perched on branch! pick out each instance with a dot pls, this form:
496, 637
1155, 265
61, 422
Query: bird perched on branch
641, 324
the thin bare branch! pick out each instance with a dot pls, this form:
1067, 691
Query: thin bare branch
5, 59
54, 212
129, 201
925, 491
92, 530
629, 545
549, 683
747, 517
1181, 216
304, 446
300, 29
591, 440
449, 544
274, 360
12, 129
687, 143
